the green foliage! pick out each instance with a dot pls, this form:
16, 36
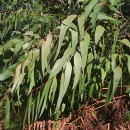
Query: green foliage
55, 55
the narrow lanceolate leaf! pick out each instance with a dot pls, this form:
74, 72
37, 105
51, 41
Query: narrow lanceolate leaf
128, 63
89, 8
117, 77
69, 23
68, 72
98, 33
63, 30
5, 74
89, 67
74, 40
77, 68
116, 35
45, 52
29, 33
53, 88
103, 16
43, 100
126, 42
65, 84
60, 63
81, 25
84, 49
111, 91
61, 92
17, 76
7, 115
94, 14
29, 109
113, 58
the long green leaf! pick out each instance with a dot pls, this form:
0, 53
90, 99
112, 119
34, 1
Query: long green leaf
45, 52
126, 42
64, 86
103, 16
89, 8
111, 91
60, 63
84, 49
98, 33
7, 115
63, 30
17, 77
113, 58
77, 68
81, 26
74, 40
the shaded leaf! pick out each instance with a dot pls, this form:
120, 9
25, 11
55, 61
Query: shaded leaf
111, 90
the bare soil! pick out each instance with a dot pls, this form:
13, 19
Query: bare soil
116, 116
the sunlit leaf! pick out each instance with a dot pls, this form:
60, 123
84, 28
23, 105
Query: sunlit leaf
77, 68
63, 30
17, 76
98, 33
81, 25
74, 40
126, 42
60, 63
29, 33
45, 52
103, 16
89, 8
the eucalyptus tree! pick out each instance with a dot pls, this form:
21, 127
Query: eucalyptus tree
54, 55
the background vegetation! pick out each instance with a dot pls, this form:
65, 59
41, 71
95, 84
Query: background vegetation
55, 55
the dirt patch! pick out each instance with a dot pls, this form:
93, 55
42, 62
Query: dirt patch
116, 116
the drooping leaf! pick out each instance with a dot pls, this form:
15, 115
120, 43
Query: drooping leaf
60, 63
113, 58
65, 84
98, 33
94, 14
61, 92
7, 115
128, 63
69, 23
43, 99
81, 26
116, 35
53, 90
5, 74
63, 30
17, 76
126, 42
77, 68
111, 91
84, 49
103, 16
74, 40
45, 52
29, 33
89, 8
